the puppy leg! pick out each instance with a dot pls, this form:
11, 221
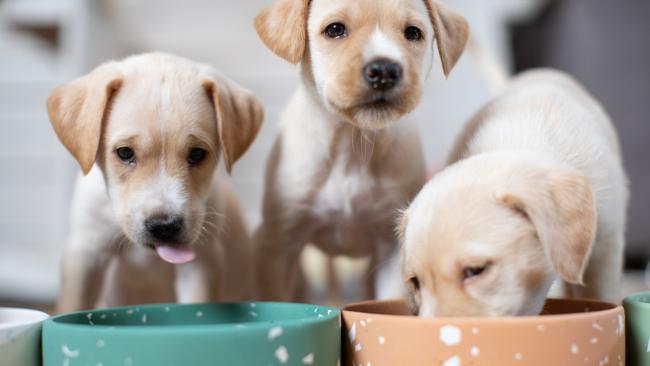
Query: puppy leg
85, 261
277, 263
604, 273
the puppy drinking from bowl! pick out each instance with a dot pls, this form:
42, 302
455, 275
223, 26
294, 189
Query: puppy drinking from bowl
150, 222
535, 191
342, 164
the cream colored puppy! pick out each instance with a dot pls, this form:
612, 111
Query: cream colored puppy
341, 164
535, 190
150, 222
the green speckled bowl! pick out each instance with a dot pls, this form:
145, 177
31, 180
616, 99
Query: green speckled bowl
637, 309
246, 334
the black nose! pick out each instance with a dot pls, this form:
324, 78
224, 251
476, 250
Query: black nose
382, 74
164, 228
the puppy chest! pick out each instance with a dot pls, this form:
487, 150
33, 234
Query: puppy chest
347, 197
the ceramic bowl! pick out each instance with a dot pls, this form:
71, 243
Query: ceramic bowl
198, 335
637, 310
20, 336
570, 333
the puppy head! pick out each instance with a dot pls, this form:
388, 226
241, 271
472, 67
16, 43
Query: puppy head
367, 59
485, 239
156, 125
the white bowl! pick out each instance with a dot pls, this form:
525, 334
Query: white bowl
20, 336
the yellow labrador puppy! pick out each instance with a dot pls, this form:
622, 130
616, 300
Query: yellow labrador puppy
150, 222
535, 191
342, 164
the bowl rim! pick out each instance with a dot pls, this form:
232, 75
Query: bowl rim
33, 317
612, 309
635, 300
55, 321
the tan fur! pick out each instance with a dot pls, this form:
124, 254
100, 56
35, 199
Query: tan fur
77, 111
283, 28
452, 33
161, 107
535, 189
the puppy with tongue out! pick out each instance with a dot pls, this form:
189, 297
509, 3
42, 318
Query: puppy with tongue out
150, 222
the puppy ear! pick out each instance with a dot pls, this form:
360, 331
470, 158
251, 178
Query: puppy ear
239, 116
77, 111
283, 28
451, 32
565, 217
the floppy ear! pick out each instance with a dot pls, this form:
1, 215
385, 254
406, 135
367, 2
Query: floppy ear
239, 116
451, 32
565, 217
77, 111
283, 28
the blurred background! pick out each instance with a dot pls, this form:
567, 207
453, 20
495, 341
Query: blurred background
43, 43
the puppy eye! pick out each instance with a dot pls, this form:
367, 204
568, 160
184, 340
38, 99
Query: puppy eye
415, 282
196, 156
413, 33
126, 154
336, 31
474, 271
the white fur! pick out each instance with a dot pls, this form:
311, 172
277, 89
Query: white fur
380, 46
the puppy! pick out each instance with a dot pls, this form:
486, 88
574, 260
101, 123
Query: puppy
341, 164
150, 222
535, 190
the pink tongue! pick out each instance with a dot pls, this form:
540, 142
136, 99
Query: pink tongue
176, 255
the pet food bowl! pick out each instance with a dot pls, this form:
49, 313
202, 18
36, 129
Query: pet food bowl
20, 336
570, 333
637, 310
198, 335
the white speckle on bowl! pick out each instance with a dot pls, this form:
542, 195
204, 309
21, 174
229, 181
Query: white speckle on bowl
329, 311
144, 318
128, 361
315, 310
454, 361
282, 354
647, 350
450, 335
352, 335
357, 347
253, 304
621, 325
130, 311
199, 314
574, 349
382, 340
114, 315
240, 326
67, 352
167, 309
320, 315
474, 351
90, 318
541, 328
308, 360
274, 333
99, 364
103, 317
253, 314
474, 330
597, 326
100, 343
593, 340
363, 323
519, 356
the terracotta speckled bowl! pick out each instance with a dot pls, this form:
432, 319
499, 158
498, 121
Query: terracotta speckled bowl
571, 332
